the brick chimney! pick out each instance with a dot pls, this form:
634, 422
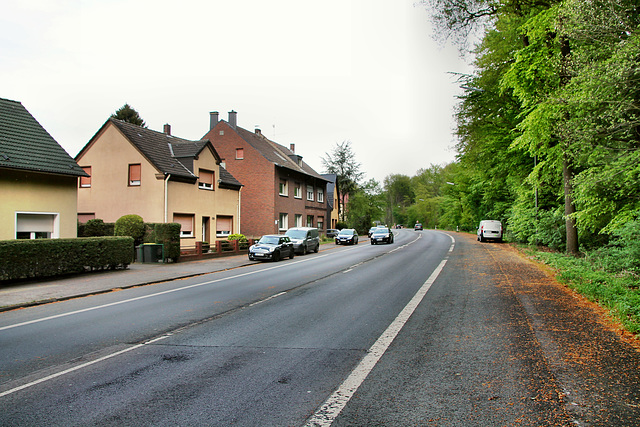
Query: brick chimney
258, 131
213, 119
167, 128
233, 118
292, 147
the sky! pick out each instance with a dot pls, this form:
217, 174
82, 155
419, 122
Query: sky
310, 73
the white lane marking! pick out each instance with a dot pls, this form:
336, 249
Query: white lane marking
332, 407
84, 310
267, 299
84, 365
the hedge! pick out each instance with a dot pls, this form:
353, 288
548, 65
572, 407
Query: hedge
166, 233
24, 259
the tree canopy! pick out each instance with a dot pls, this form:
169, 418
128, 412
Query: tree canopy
128, 114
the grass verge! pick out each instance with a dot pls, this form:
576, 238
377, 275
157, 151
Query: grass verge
618, 293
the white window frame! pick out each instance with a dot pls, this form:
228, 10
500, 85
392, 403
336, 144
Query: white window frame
283, 221
55, 233
206, 185
320, 195
283, 187
297, 190
298, 220
310, 193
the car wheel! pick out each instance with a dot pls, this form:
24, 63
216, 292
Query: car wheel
276, 256
293, 253
317, 248
305, 250
480, 239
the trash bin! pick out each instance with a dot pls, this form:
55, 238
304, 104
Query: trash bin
151, 252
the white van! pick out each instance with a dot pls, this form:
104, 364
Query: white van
490, 229
305, 239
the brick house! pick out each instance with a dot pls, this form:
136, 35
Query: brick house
280, 190
38, 179
162, 178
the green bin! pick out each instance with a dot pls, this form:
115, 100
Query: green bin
151, 252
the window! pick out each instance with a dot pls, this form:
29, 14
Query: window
320, 223
309, 220
224, 226
36, 225
239, 153
84, 217
283, 221
320, 195
298, 220
284, 188
85, 181
297, 191
134, 175
186, 221
206, 180
310, 193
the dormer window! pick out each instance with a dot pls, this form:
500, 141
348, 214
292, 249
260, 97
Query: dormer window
205, 181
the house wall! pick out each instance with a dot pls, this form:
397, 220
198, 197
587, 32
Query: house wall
110, 196
22, 191
188, 198
292, 206
258, 214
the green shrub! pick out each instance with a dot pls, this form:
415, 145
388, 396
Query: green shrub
239, 237
167, 234
20, 259
131, 225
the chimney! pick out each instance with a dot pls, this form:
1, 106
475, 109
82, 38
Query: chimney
233, 118
213, 119
258, 131
167, 128
292, 147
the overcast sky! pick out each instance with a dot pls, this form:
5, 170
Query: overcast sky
306, 72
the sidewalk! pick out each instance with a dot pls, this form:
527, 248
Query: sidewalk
35, 292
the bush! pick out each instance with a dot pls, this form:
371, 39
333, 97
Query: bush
20, 259
132, 226
239, 237
166, 234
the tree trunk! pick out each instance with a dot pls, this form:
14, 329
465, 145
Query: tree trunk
569, 208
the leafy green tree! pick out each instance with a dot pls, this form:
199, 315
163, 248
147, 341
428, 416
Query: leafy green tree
400, 195
365, 206
342, 162
128, 114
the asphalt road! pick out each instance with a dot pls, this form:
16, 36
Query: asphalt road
431, 330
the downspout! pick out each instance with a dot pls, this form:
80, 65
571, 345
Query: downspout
239, 203
166, 198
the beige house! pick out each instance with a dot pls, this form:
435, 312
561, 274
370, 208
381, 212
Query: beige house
162, 178
38, 179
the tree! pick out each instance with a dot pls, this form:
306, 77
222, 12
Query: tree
341, 162
365, 206
128, 114
400, 195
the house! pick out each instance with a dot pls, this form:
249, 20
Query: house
38, 179
280, 190
162, 178
332, 200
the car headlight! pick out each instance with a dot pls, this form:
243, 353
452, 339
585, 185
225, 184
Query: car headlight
272, 248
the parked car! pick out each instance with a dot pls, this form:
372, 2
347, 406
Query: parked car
331, 233
490, 229
417, 227
347, 236
272, 246
305, 239
371, 230
382, 235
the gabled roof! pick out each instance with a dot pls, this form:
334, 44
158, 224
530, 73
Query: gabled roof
167, 153
26, 145
276, 153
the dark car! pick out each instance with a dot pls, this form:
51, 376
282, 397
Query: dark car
347, 236
371, 230
417, 227
305, 239
331, 233
382, 235
272, 246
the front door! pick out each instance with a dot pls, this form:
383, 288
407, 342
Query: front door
206, 234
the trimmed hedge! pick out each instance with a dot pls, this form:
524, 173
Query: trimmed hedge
168, 234
24, 259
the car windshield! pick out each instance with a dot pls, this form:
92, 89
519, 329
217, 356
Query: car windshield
346, 232
381, 230
296, 234
268, 240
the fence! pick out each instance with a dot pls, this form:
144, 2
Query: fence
215, 249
